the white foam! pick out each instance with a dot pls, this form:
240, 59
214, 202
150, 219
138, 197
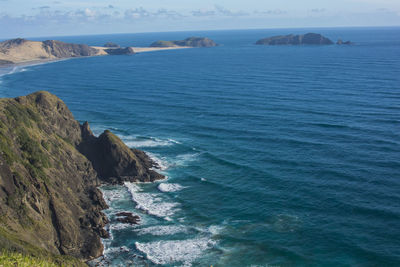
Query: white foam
135, 142
185, 158
161, 230
119, 226
151, 203
175, 251
203, 179
215, 229
112, 195
165, 187
116, 250
162, 162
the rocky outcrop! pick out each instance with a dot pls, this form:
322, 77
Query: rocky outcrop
111, 44
304, 39
50, 167
114, 162
341, 42
120, 51
188, 42
12, 43
65, 50
128, 217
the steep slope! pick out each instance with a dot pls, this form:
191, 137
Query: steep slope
49, 203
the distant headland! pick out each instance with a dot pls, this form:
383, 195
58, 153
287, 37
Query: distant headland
188, 42
22, 51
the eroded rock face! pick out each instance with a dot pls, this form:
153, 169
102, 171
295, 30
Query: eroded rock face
65, 50
114, 161
50, 167
304, 39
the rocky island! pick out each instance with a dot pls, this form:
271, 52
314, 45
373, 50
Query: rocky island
303, 39
188, 42
50, 168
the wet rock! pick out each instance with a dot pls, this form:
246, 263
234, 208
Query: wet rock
128, 217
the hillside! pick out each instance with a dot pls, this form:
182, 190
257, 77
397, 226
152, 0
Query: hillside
22, 50
50, 167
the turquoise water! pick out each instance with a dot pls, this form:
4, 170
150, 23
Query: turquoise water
282, 156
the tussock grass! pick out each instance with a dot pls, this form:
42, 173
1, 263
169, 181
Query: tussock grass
15, 259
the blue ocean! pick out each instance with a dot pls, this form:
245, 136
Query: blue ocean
275, 156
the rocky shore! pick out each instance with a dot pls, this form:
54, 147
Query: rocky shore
50, 168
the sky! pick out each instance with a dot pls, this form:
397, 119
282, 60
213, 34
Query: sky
36, 18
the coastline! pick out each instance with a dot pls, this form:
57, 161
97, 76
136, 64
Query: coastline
34, 62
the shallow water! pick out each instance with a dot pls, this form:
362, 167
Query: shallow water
274, 155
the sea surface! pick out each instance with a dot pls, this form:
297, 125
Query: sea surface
275, 156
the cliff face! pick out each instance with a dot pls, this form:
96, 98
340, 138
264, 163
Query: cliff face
188, 42
64, 50
304, 39
114, 161
49, 166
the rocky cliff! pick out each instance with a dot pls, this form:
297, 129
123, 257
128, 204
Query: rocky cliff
304, 39
50, 167
188, 42
65, 50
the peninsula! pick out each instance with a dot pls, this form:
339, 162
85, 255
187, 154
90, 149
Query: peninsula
50, 168
22, 51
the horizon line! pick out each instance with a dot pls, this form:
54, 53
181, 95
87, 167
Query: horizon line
214, 30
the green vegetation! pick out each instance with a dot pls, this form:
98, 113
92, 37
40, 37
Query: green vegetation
20, 113
15, 252
13, 259
163, 44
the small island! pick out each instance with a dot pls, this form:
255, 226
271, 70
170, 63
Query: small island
341, 42
188, 42
291, 39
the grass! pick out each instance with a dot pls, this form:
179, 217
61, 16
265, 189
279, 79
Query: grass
15, 259
12, 259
